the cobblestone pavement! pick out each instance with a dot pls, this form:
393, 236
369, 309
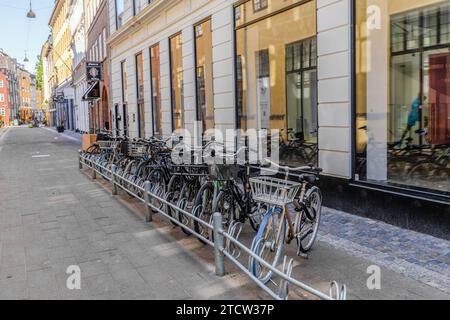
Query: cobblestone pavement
416, 255
53, 216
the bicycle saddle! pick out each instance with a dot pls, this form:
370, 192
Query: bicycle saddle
310, 178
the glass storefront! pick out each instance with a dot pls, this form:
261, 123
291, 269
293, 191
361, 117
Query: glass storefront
155, 70
140, 95
204, 78
403, 93
276, 76
176, 66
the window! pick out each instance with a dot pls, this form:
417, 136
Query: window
124, 81
120, 9
402, 126
2, 97
204, 79
176, 69
276, 77
140, 95
124, 88
155, 69
104, 44
259, 5
100, 48
1, 84
136, 7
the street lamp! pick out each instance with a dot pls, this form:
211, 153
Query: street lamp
31, 13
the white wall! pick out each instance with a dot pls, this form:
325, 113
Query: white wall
334, 86
172, 17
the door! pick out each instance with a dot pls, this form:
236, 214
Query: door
439, 96
125, 119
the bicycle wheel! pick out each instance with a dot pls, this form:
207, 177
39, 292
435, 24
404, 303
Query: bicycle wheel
187, 198
158, 181
309, 220
203, 206
267, 245
227, 206
173, 195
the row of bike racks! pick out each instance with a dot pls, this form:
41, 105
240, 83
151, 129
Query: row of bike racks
226, 243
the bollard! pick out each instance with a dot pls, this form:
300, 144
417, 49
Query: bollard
149, 211
80, 163
94, 173
113, 180
218, 244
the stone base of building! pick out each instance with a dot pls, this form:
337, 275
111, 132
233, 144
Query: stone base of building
416, 214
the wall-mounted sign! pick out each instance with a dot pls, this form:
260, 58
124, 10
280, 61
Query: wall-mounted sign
93, 92
94, 71
59, 98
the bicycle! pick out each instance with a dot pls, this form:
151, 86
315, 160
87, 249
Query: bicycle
280, 225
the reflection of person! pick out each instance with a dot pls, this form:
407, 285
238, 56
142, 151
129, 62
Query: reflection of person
413, 117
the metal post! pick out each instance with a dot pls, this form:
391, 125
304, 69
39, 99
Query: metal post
149, 210
113, 179
94, 173
218, 244
80, 164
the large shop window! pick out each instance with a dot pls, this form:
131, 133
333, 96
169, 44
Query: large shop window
176, 65
403, 94
205, 96
276, 74
140, 95
155, 64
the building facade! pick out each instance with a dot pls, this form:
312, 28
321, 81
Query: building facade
97, 24
10, 68
26, 85
78, 44
4, 99
48, 78
63, 93
359, 87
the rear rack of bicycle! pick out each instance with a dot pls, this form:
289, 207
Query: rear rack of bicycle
226, 243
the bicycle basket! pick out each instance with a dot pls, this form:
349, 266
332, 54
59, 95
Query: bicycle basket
274, 191
136, 150
107, 145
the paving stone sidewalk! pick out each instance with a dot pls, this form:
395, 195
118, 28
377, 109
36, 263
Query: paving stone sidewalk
52, 217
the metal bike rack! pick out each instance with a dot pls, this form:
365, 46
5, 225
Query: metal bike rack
226, 243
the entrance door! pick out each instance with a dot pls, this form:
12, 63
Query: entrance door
125, 119
116, 117
439, 95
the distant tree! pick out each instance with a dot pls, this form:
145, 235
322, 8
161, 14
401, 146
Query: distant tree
39, 74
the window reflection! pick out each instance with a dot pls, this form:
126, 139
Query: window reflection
176, 64
205, 96
406, 141
156, 89
276, 78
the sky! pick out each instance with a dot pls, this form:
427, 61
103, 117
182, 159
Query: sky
19, 34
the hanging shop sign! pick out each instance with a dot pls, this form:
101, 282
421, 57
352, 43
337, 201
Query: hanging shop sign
94, 71
93, 92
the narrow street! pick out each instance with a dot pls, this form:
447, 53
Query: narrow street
53, 216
